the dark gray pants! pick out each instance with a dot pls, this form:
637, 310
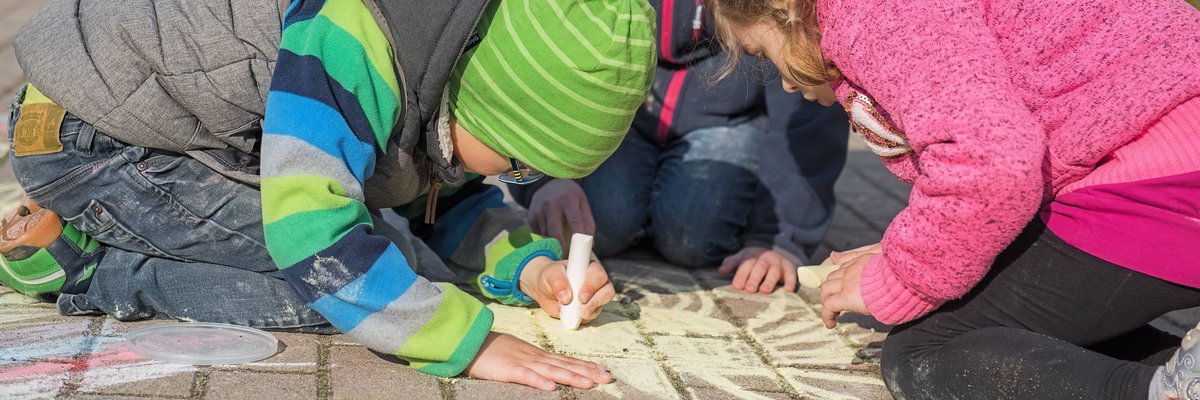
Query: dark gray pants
1047, 322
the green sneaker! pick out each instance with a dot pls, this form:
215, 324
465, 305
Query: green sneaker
34, 243
34, 276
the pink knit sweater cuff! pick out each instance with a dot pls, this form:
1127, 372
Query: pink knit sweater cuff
887, 298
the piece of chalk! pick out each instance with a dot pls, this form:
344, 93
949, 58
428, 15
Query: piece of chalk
811, 276
577, 263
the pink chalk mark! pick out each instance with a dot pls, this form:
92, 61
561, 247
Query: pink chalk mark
64, 364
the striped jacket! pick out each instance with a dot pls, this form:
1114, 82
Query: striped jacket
336, 110
348, 92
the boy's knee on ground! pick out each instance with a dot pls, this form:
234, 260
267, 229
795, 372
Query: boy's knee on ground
618, 226
614, 237
693, 246
695, 234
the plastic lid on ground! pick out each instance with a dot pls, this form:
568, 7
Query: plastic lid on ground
202, 343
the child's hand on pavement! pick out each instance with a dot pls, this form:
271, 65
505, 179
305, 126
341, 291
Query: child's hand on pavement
546, 282
506, 358
759, 270
841, 292
558, 204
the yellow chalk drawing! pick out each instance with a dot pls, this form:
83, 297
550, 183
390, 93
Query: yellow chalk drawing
611, 335
516, 321
793, 335
682, 312
863, 384
664, 337
636, 379
695, 338
725, 385
704, 362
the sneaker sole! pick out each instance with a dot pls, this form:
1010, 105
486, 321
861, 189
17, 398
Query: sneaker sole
32, 284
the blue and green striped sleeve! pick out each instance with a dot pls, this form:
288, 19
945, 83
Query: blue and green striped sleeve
333, 103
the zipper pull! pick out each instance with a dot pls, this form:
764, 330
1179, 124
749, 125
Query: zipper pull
698, 20
435, 184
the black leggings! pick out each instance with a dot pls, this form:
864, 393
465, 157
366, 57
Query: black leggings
1047, 322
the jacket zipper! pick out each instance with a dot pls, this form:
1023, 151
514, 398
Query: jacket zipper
435, 180
435, 185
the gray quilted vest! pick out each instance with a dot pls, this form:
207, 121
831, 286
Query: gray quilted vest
192, 76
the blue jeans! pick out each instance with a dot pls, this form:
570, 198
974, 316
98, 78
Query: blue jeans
180, 240
691, 199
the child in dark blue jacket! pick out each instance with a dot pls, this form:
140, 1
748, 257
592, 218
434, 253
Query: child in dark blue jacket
734, 174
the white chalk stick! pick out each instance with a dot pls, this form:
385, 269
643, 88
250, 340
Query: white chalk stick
811, 276
577, 264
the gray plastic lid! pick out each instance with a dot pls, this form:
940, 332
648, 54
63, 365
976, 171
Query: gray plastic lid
202, 343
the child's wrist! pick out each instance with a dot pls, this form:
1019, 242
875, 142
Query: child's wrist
530, 274
502, 279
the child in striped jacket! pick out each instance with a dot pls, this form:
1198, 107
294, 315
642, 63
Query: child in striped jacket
229, 162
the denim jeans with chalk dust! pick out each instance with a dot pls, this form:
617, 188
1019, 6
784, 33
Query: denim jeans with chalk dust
183, 241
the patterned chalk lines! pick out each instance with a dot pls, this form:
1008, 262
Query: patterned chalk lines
669, 334
672, 333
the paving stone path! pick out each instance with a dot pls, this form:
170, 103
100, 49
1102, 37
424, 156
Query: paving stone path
671, 334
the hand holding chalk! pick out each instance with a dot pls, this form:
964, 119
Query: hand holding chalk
811, 276
577, 264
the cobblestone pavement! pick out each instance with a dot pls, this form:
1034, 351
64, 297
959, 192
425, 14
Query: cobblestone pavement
671, 334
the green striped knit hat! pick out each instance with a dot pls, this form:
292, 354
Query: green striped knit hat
555, 83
